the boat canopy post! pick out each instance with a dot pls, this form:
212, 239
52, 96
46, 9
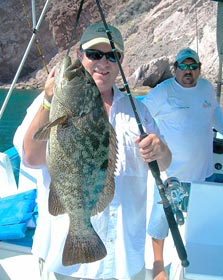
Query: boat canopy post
220, 46
219, 38
34, 14
35, 30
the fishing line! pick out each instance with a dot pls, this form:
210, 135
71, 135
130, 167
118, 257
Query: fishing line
152, 165
75, 27
120, 69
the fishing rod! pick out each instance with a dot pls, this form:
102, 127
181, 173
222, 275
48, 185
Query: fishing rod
24, 58
152, 165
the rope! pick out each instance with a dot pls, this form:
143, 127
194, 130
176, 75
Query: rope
37, 44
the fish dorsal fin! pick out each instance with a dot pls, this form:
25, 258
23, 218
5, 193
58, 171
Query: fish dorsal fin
43, 133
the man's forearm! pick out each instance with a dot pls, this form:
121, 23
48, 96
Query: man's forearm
158, 265
165, 161
34, 150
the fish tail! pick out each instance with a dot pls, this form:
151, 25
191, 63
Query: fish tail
84, 248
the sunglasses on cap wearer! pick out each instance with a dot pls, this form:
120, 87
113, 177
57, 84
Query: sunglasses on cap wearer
97, 55
183, 66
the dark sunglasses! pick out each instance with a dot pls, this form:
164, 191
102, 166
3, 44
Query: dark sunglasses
184, 67
97, 55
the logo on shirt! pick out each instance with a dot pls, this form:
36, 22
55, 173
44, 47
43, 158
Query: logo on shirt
206, 104
183, 107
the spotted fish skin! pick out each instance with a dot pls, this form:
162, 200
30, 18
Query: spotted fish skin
81, 158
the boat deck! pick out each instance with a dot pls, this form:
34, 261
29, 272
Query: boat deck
204, 248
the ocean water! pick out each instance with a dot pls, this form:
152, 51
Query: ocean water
13, 114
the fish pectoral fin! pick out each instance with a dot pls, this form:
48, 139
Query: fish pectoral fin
60, 120
43, 133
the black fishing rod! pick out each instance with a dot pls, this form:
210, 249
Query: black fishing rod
152, 165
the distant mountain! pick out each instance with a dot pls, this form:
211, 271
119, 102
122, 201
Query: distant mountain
153, 32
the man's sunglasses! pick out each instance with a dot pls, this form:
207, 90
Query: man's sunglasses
184, 67
97, 55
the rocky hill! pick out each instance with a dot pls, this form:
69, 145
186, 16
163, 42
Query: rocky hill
153, 31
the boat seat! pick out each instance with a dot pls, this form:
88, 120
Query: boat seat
218, 158
204, 231
27, 178
8, 184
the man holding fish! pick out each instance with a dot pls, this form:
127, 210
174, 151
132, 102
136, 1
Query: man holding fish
92, 192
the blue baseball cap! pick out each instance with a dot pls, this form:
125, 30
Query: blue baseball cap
187, 53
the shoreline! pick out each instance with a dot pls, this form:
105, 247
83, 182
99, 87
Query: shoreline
27, 87
135, 91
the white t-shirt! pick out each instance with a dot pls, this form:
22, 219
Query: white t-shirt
122, 225
186, 116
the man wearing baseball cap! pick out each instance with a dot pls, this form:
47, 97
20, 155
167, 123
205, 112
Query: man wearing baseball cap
187, 68
122, 225
186, 111
187, 53
96, 33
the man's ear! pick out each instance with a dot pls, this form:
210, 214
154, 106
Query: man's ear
79, 55
122, 57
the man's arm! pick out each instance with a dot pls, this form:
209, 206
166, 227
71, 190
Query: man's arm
153, 148
158, 265
35, 151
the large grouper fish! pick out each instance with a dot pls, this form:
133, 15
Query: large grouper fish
81, 159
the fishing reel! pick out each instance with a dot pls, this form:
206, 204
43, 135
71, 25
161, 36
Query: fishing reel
177, 195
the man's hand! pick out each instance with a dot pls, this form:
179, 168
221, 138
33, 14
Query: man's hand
49, 85
153, 148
